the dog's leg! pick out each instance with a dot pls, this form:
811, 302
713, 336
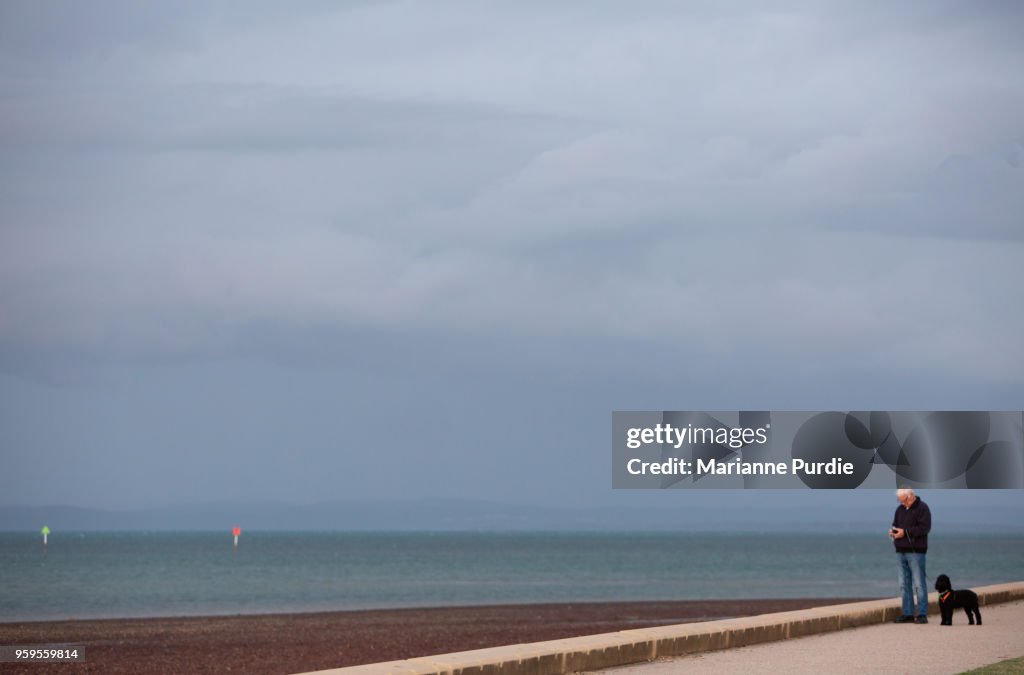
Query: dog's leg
977, 613
970, 617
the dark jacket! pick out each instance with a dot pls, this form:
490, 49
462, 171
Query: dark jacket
917, 521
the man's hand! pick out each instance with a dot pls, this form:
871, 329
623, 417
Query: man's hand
897, 532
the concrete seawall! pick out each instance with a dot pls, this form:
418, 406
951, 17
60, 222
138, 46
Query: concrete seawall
593, 652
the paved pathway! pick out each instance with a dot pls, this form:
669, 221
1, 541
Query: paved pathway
887, 648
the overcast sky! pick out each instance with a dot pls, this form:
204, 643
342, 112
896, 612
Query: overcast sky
320, 250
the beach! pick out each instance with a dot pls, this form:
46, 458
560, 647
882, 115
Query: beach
289, 643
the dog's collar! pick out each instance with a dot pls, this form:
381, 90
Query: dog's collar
944, 596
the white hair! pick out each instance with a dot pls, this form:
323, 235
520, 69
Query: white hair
905, 492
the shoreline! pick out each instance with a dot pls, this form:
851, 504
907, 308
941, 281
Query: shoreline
7, 622
297, 642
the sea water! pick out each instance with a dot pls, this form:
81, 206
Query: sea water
129, 574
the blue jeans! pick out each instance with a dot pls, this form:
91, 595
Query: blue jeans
912, 583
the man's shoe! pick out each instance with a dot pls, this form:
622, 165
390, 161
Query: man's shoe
905, 619
921, 619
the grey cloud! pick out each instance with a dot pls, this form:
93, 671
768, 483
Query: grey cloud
247, 119
719, 179
56, 33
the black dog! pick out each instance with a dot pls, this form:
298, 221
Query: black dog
950, 600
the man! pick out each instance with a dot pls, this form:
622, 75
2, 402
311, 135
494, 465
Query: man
909, 532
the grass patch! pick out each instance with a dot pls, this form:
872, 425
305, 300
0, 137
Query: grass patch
1008, 667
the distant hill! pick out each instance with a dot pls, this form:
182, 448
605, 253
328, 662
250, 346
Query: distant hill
447, 515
